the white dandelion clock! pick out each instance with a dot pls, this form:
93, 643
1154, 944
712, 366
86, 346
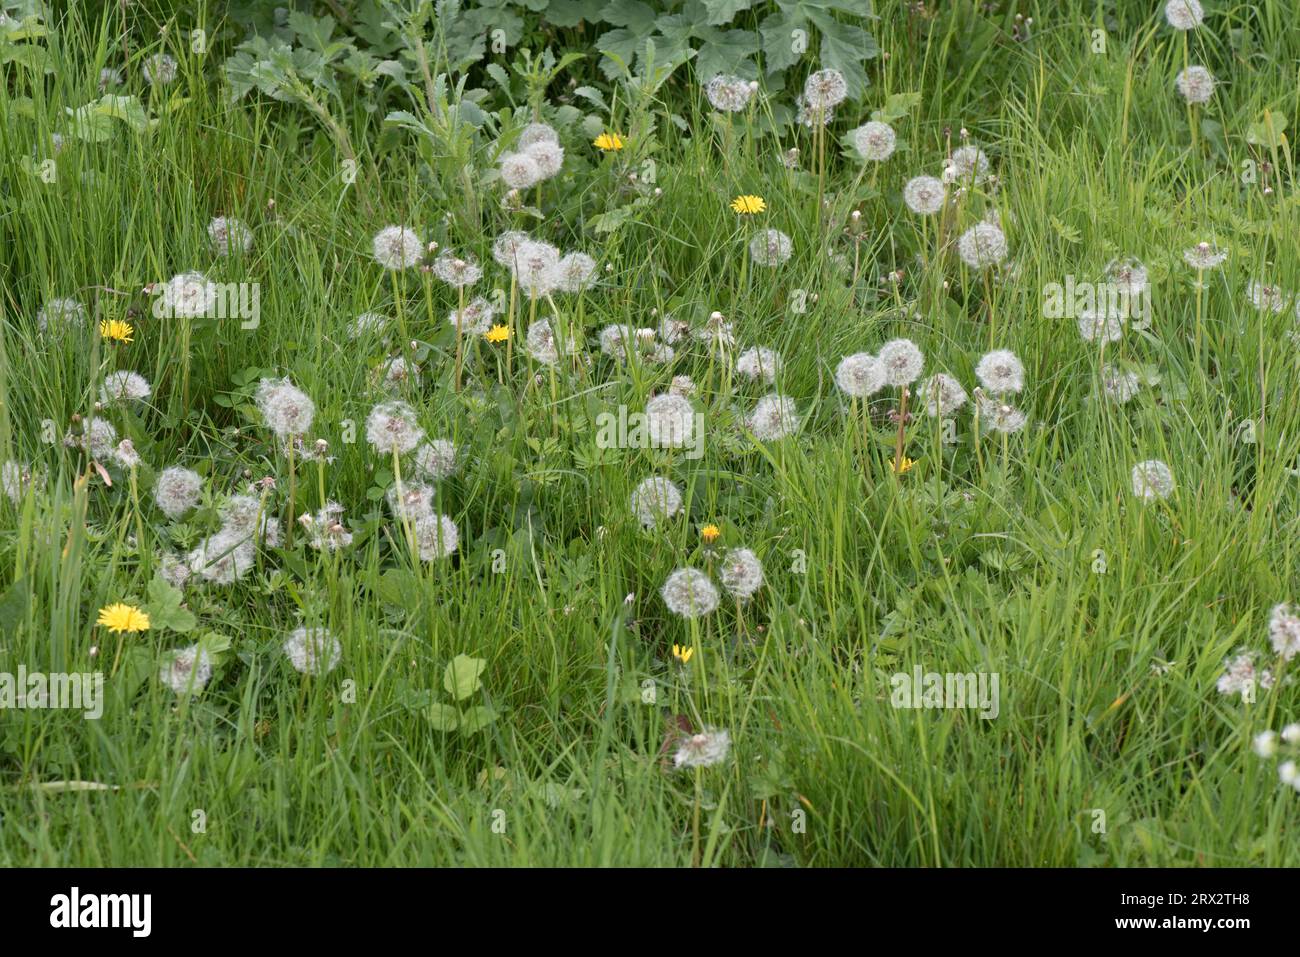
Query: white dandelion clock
575, 272
286, 409
223, 558
998, 416
59, 314
941, 395
1241, 676
397, 247
177, 490
16, 480
670, 421
759, 364
160, 68
520, 170
505, 248
391, 428
190, 295
124, 386
229, 235
969, 163
874, 141
436, 460
983, 245
1119, 385
728, 94
534, 268
475, 319
902, 361
655, 500
1184, 14
187, 671
368, 324
436, 537
1204, 256
409, 502
825, 90
548, 156
741, 573
313, 651
711, 746
1284, 631
860, 375
924, 195
771, 248
1152, 480
457, 271
537, 133
1196, 84
688, 593
1100, 326
543, 344
774, 417
1000, 372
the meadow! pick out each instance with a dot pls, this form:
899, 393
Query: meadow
477, 435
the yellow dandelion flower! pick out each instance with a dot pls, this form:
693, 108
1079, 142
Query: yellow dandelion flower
608, 141
498, 334
683, 653
116, 330
748, 205
119, 618
906, 465
710, 533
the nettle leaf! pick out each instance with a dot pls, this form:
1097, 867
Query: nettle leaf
724, 11
461, 679
782, 40
570, 13
638, 17
164, 607
727, 51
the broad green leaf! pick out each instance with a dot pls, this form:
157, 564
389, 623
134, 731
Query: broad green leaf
461, 679
444, 717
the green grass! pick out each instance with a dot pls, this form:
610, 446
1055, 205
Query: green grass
977, 560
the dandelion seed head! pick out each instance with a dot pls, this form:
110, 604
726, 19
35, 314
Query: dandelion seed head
825, 89
391, 428
969, 163
436, 537
124, 386
534, 266
941, 395
227, 234
670, 421
177, 490
689, 593
1204, 256
1184, 14
313, 651
548, 156
573, 273
1196, 84
924, 195
902, 361
1118, 385
702, 750
1152, 480
1284, 631
520, 170
727, 93
998, 416
160, 68
60, 314
771, 247
741, 573
436, 459
874, 141
860, 375
983, 245
286, 409
1000, 372
189, 295
397, 247
655, 500
456, 271
774, 417
187, 671
759, 364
